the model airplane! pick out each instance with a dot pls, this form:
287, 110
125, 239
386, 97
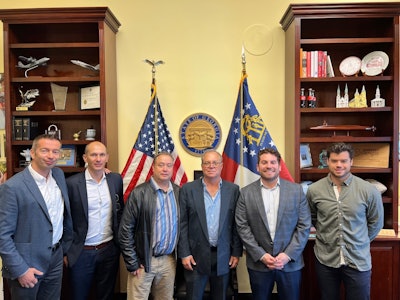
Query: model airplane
85, 65
30, 63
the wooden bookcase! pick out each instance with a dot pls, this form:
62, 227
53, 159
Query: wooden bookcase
87, 34
345, 30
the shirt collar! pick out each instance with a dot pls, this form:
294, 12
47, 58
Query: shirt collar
89, 177
346, 182
278, 184
157, 187
37, 177
204, 184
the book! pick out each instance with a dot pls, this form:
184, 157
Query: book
17, 129
26, 129
34, 129
308, 64
329, 68
314, 64
304, 64
301, 63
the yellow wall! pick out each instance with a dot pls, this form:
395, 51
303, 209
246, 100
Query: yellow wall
200, 41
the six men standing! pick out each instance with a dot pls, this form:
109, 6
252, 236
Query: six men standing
204, 223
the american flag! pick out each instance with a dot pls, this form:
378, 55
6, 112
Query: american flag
247, 136
149, 142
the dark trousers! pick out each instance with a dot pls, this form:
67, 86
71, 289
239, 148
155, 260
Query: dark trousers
49, 284
262, 284
98, 267
357, 284
196, 282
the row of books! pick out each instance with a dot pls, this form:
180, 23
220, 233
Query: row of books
315, 64
24, 129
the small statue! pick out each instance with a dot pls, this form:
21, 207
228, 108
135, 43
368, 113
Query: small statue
76, 135
27, 154
323, 157
29, 94
342, 101
363, 98
378, 101
355, 102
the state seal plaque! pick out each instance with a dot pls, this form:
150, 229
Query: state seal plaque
199, 132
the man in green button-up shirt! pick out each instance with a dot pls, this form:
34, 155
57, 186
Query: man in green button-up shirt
347, 212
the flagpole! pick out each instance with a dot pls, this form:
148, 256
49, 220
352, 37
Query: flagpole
154, 96
244, 75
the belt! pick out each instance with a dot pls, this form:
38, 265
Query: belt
97, 247
213, 249
159, 255
55, 247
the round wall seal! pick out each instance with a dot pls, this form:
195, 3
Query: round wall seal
199, 132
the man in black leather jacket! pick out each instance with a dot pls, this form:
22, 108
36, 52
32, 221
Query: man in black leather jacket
149, 232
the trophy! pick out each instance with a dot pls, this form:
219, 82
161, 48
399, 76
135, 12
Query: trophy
59, 96
27, 155
26, 103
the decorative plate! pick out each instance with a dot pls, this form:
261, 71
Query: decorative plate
374, 63
350, 66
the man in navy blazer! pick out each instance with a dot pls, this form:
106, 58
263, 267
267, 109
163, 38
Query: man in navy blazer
35, 224
209, 245
273, 220
96, 208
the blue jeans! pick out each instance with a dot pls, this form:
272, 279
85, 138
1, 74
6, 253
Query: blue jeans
357, 284
262, 283
196, 282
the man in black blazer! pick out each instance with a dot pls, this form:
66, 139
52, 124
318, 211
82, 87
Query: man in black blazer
209, 244
96, 208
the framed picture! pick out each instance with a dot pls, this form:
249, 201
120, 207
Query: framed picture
2, 145
90, 97
67, 156
305, 156
197, 174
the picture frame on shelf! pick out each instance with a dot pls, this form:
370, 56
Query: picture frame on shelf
67, 156
89, 97
197, 174
2, 145
305, 156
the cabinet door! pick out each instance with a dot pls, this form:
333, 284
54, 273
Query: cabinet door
385, 272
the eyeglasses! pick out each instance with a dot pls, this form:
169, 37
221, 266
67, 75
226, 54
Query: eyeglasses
211, 163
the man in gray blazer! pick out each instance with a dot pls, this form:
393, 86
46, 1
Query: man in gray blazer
273, 221
35, 224
209, 245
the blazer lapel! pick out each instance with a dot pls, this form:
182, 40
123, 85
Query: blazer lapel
260, 204
83, 194
198, 196
282, 203
34, 190
113, 197
224, 207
